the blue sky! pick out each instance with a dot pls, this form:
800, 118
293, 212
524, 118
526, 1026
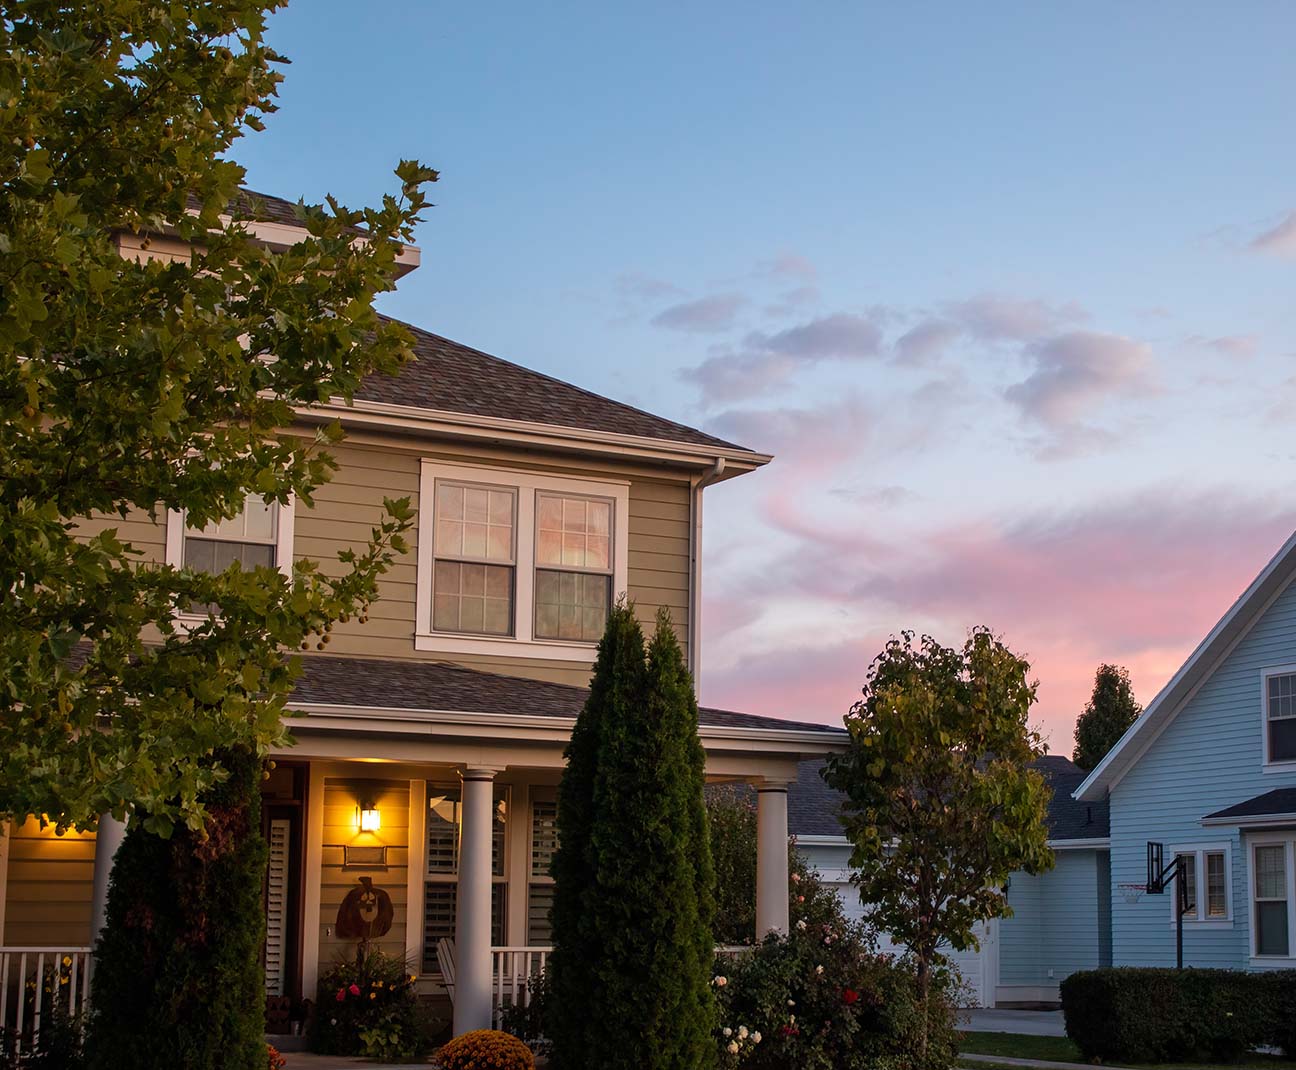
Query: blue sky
1006, 289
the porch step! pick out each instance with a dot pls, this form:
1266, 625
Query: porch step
286, 1041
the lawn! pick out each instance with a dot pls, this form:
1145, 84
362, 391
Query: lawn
1062, 1050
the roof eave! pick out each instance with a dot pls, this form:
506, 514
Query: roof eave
1202, 662
410, 419
1251, 821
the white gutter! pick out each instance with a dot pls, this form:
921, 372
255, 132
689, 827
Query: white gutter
698, 484
1252, 821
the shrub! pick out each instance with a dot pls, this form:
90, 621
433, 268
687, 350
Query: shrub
485, 1049
367, 1006
1164, 1015
178, 979
822, 998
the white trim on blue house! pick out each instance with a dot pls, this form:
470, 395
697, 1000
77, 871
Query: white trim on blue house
1204, 660
1268, 765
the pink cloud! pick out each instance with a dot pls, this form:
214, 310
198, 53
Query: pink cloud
1076, 371
714, 313
1136, 582
1279, 240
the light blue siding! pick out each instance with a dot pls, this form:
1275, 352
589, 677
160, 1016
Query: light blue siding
1058, 924
1208, 758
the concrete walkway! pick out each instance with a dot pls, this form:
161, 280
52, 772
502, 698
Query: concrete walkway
1041, 1064
1032, 1023
303, 1060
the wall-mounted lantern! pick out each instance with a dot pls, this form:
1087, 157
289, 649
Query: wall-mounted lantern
368, 817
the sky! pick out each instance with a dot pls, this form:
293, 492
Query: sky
1005, 288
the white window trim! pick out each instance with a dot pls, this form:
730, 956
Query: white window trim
523, 642
1199, 919
285, 524
1266, 765
1251, 842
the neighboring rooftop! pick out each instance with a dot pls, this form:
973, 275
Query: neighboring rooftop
448, 376
439, 686
814, 808
1279, 803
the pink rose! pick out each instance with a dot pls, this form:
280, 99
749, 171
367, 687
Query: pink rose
341, 994
354, 990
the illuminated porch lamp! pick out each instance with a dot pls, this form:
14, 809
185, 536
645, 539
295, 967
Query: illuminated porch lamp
369, 817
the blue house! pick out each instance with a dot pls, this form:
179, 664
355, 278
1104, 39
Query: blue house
1209, 772
1061, 920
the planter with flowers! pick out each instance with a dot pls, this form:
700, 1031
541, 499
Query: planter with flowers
367, 1006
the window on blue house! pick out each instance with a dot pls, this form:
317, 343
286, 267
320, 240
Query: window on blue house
1271, 932
1280, 717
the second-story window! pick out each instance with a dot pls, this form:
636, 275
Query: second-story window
1280, 717
251, 539
573, 586
473, 576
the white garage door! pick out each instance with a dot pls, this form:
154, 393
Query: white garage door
977, 967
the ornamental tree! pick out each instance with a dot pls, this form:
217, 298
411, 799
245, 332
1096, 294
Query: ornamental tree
631, 968
135, 386
1111, 709
941, 804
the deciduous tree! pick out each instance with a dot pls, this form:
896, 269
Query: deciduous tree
134, 386
941, 803
1111, 709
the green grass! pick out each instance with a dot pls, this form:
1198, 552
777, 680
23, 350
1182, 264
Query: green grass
1062, 1050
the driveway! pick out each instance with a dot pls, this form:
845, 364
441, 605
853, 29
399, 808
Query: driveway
1032, 1023
301, 1060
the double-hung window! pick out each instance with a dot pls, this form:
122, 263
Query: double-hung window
573, 588
517, 562
473, 578
1280, 716
441, 889
1272, 894
1207, 881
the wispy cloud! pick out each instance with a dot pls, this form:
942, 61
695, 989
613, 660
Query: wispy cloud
1074, 371
993, 317
1279, 240
707, 314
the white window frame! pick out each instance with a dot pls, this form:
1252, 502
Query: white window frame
523, 642
1288, 841
1198, 918
1267, 764
285, 524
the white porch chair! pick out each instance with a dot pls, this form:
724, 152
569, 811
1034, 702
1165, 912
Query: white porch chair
445, 952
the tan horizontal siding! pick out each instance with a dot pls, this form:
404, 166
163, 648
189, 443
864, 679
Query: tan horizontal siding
51, 879
340, 800
147, 536
659, 553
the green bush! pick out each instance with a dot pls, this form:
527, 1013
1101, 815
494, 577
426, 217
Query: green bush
822, 998
485, 1049
178, 978
1163, 1015
367, 1006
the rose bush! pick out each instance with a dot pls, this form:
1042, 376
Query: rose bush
822, 998
367, 1006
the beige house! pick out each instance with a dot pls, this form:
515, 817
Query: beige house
429, 739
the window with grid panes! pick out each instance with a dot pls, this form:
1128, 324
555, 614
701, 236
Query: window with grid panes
474, 559
250, 539
1280, 717
1216, 885
540, 885
442, 877
1189, 871
573, 582
1270, 913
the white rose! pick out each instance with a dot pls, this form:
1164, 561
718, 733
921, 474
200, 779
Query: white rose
791, 1003
818, 969
727, 1031
720, 982
755, 1038
733, 1047
742, 1032
801, 925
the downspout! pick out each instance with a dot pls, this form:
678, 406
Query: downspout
697, 485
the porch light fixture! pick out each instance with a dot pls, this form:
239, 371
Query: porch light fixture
370, 818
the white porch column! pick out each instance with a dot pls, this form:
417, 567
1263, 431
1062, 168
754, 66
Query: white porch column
108, 838
472, 997
6, 832
771, 858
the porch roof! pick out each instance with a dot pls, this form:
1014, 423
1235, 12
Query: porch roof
1277, 807
374, 683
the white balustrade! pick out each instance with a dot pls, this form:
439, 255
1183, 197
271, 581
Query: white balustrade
512, 969
36, 982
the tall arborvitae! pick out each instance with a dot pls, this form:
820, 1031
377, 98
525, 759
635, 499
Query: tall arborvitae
633, 903
616, 685
178, 978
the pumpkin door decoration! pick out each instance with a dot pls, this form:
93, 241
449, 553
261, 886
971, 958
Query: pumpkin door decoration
366, 912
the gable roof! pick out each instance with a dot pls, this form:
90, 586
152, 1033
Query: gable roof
447, 376
814, 809
437, 686
1202, 662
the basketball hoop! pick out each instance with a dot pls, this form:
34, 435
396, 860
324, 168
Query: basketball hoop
1132, 893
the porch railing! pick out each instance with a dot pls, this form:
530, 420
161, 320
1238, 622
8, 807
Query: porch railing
38, 981
512, 969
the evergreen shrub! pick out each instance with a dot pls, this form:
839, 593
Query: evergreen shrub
178, 978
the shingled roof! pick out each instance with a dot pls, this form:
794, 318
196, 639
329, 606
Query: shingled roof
439, 686
814, 808
1279, 803
451, 377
